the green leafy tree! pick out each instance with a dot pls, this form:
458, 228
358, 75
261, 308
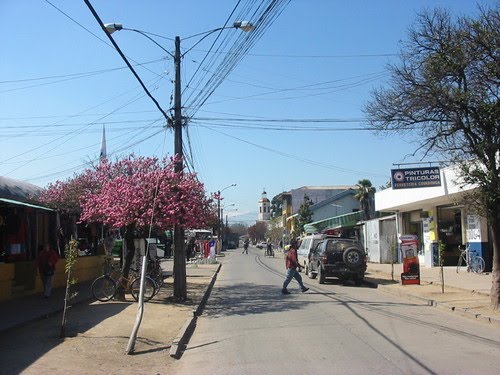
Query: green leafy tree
277, 205
304, 214
365, 194
445, 95
275, 230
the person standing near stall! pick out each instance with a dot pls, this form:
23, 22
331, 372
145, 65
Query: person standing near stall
45, 263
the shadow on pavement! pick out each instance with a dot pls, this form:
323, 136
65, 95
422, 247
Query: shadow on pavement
22, 346
250, 299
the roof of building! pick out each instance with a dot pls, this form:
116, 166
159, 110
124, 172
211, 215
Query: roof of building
18, 190
333, 187
332, 199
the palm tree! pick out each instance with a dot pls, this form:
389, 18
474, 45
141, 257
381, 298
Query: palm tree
364, 193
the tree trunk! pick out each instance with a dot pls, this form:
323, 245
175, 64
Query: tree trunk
494, 227
129, 241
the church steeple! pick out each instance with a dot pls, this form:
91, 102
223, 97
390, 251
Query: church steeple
264, 207
103, 154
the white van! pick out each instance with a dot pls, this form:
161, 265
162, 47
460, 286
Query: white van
306, 245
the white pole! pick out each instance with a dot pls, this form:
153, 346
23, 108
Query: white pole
140, 308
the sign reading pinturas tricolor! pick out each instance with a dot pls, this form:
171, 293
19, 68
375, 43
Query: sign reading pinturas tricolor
415, 177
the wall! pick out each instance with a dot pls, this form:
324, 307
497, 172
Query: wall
86, 268
372, 243
347, 205
6, 277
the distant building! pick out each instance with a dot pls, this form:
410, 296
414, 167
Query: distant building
328, 201
264, 208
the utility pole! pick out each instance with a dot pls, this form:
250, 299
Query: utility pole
218, 216
180, 287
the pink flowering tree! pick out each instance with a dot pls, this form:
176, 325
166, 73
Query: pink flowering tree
138, 194
65, 196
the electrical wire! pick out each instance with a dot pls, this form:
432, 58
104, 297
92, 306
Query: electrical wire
294, 157
66, 77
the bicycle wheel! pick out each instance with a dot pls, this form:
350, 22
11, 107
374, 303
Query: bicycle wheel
149, 288
477, 264
103, 288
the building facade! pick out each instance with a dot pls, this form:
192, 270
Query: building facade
435, 214
264, 208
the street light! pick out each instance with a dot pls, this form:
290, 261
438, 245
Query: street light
219, 214
222, 237
109, 28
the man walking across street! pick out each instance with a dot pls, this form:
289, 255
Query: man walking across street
291, 269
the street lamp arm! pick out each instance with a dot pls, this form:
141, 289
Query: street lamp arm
227, 187
98, 19
243, 25
151, 39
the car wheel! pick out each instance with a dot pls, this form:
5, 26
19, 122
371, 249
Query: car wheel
353, 257
311, 274
321, 276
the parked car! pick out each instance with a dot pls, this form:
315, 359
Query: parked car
307, 244
261, 245
337, 257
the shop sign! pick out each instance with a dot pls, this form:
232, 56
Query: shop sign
411, 266
473, 228
415, 177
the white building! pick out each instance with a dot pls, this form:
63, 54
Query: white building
264, 208
433, 214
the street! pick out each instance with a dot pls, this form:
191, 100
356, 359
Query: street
249, 327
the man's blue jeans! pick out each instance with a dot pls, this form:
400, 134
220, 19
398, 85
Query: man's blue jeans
292, 273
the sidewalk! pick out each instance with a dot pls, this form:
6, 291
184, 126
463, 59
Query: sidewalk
467, 294
98, 333
19, 311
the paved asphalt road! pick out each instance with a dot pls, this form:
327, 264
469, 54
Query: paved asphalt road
248, 327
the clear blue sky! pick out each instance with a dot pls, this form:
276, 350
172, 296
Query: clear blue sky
318, 59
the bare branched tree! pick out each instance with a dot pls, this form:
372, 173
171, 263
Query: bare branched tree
445, 94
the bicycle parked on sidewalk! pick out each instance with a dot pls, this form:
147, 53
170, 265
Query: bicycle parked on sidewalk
104, 288
155, 272
473, 262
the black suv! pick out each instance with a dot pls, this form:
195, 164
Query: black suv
337, 257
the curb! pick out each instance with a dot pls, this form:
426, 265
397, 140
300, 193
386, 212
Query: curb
462, 311
187, 329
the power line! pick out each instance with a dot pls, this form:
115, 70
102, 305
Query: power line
98, 19
295, 157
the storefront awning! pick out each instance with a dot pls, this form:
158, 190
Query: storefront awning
18, 203
342, 221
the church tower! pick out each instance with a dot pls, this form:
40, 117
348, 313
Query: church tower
264, 207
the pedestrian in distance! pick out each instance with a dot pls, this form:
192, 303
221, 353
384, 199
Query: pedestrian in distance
291, 268
45, 263
191, 249
245, 246
269, 249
